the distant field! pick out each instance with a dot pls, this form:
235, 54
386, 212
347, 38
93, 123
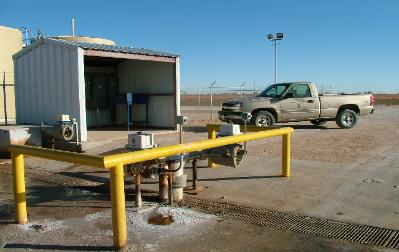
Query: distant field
192, 100
387, 99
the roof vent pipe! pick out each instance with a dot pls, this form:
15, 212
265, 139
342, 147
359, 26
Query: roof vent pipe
73, 26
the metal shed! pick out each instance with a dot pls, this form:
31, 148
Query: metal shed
90, 82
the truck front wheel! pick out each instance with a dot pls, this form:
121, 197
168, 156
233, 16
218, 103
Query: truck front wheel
263, 119
346, 119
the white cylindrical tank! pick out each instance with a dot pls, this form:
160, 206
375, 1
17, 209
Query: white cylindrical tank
86, 39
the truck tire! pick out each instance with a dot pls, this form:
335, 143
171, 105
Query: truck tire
318, 122
346, 119
263, 119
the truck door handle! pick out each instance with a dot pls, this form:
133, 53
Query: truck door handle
310, 101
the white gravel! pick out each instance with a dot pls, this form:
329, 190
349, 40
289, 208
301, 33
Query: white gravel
187, 225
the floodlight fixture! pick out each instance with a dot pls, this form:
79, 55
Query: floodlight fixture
279, 35
270, 36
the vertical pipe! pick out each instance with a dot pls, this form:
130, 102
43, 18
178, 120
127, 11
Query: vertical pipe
275, 61
163, 188
26, 37
73, 26
177, 190
170, 188
5, 98
118, 205
211, 135
180, 133
210, 88
286, 150
195, 177
245, 132
128, 117
137, 184
19, 188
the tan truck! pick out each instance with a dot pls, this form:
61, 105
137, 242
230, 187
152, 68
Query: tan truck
298, 101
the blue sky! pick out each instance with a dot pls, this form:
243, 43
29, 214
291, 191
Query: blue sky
352, 45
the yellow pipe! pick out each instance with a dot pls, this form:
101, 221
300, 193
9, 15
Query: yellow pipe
18, 177
118, 205
286, 159
64, 156
143, 155
211, 135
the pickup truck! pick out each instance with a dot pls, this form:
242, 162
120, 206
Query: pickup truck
298, 101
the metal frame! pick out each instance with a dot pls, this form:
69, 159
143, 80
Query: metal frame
116, 162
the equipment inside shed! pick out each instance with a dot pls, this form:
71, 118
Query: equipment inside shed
123, 92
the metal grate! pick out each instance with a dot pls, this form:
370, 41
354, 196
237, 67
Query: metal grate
370, 235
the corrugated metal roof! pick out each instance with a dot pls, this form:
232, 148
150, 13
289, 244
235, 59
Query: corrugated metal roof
119, 49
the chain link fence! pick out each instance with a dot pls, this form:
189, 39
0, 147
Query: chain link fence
7, 98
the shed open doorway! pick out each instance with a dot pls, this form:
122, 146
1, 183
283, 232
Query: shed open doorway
122, 92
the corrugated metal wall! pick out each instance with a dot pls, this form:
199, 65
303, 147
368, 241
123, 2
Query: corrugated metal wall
47, 84
156, 79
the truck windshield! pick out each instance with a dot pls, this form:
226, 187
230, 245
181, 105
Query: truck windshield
274, 91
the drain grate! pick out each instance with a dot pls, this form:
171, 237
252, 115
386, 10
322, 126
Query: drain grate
370, 235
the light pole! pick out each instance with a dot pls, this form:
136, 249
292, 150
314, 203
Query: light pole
275, 40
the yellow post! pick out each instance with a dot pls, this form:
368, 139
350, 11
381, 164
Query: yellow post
19, 188
118, 205
286, 150
211, 135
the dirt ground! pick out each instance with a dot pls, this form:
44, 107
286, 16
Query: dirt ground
345, 175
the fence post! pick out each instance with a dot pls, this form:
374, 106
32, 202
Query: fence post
5, 98
18, 177
211, 135
118, 205
199, 97
286, 153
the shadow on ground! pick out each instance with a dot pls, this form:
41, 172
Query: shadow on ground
51, 196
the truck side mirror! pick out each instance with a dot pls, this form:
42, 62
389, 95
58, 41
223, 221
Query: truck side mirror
289, 95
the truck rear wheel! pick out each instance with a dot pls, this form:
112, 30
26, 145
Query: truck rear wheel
346, 119
318, 122
263, 119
